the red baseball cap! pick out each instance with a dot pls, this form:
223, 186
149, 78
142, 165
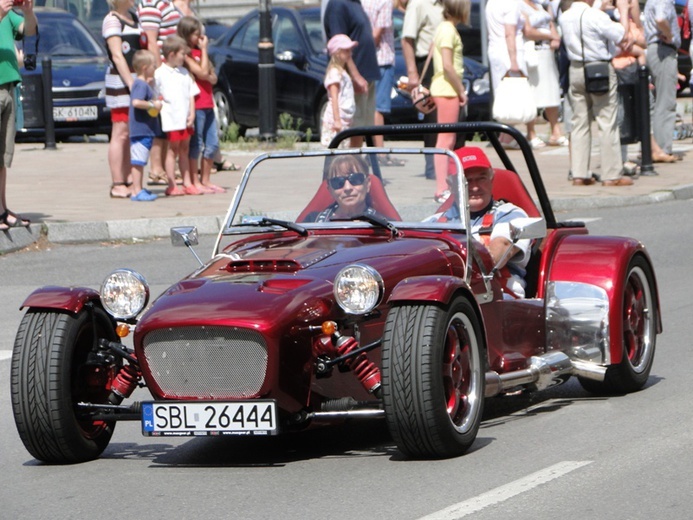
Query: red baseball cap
470, 157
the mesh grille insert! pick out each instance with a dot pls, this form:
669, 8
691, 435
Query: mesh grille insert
207, 362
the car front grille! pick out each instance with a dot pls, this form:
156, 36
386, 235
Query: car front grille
207, 362
76, 93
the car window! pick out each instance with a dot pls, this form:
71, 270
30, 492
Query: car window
314, 32
67, 37
249, 36
286, 36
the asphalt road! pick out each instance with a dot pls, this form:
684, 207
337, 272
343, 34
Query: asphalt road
562, 453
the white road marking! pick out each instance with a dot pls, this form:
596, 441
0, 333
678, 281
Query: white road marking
5, 354
503, 493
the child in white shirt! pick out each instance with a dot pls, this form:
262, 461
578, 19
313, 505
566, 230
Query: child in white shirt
340, 90
178, 91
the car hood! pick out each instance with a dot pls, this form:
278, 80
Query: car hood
76, 71
263, 284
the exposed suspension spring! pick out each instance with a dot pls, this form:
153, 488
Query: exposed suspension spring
126, 381
366, 371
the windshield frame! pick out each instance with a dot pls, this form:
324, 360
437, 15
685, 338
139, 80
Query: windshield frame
229, 229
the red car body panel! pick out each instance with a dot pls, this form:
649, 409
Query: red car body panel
70, 299
603, 262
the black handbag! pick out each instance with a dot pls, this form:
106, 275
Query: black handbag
596, 72
597, 77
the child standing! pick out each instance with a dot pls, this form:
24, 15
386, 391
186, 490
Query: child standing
340, 90
178, 91
205, 136
143, 121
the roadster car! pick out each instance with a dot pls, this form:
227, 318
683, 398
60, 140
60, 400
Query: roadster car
299, 319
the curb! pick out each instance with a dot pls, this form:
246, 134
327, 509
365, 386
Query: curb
84, 232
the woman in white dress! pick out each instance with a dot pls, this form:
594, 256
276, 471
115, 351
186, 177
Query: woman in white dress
505, 26
541, 42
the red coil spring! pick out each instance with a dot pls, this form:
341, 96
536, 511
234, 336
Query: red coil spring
366, 371
126, 381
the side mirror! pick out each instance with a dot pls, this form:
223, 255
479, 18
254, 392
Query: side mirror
291, 56
184, 236
527, 228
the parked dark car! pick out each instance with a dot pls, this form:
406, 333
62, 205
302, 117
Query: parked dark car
300, 62
78, 63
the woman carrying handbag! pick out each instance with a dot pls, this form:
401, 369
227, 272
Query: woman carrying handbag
447, 89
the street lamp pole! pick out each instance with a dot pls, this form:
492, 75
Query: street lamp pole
266, 74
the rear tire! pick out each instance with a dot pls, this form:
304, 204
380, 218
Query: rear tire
433, 378
639, 334
51, 374
224, 114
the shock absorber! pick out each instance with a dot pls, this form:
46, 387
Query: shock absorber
124, 383
366, 371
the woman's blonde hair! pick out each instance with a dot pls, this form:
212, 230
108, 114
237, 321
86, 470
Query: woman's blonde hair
457, 10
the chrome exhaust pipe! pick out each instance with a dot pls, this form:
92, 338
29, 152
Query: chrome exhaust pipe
346, 414
542, 373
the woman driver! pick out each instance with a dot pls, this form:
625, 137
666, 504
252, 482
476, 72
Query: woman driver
349, 184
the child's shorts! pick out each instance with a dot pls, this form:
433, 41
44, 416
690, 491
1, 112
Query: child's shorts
180, 135
139, 150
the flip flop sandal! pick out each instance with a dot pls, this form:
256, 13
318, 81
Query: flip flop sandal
18, 221
157, 180
224, 166
119, 195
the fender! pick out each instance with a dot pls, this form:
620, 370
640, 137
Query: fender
427, 288
602, 262
70, 299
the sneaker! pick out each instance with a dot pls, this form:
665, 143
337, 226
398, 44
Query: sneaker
442, 197
144, 196
537, 143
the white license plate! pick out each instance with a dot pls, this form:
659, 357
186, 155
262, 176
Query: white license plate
209, 418
88, 113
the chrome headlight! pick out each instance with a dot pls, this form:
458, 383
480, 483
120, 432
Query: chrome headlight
358, 288
124, 293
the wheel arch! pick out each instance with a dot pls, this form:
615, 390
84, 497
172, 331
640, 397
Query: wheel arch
70, 299
603, 262
437, 289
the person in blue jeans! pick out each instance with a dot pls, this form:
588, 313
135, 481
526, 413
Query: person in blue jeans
143, 120
205, 140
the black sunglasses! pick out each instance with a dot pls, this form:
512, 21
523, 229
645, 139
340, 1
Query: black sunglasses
355, 179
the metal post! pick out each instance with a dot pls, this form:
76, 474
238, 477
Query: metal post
266, 74
642, 96
47, 82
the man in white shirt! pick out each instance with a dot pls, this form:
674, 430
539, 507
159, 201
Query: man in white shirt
590, 35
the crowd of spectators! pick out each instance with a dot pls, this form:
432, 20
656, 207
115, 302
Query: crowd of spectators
550, 42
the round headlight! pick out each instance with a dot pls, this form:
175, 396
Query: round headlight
358, 288
124, 293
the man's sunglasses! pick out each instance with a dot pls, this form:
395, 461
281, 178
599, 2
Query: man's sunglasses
355, 179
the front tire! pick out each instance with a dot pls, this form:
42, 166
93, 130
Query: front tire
639, 334
433, 378
52, 371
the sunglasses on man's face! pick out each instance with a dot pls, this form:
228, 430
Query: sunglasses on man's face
355, 179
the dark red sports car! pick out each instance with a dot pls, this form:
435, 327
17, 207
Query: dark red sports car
302, 317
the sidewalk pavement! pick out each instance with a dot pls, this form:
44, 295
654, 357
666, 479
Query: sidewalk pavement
65, 193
